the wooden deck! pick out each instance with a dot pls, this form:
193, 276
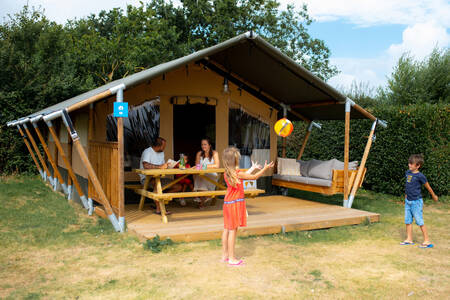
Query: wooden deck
267, 215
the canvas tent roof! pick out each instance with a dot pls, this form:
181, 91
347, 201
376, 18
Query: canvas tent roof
265, 71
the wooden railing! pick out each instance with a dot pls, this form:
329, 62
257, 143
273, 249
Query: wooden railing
104, 159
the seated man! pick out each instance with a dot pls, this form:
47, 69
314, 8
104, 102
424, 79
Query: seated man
153, 158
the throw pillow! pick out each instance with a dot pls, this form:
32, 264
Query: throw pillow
304, 167
321, 169
288, 166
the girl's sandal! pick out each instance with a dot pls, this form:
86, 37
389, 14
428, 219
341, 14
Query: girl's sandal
236, 264
426, 245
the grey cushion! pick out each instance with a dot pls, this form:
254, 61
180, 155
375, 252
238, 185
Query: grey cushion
339, 165
303, 179
321, 169
304, 167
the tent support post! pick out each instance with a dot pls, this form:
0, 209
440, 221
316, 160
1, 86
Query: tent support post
363, 163
283, 149
31, 151
120, 177
305, 140
68, 165
348, 105
56, 173
69, 159
76, 142
90, 138
38, 153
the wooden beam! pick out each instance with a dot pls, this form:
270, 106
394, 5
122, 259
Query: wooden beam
142, 200
89, 100
364, 112
305, 140
65, 159
29, 149
346, 152
69, 156
87, 164
38, 153
120, 167
359, 175
90, 136
47, 151
216, 183
313, 104
248, 87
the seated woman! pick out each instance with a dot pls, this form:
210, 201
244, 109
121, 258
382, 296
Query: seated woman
209, 159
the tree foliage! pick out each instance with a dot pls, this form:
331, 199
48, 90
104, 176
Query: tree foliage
44, 63
425, 81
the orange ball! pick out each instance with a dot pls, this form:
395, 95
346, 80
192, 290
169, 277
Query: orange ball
283, 127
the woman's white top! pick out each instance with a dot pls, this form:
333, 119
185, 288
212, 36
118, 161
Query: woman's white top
201, 184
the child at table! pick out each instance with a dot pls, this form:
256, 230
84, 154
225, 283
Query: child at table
234, 209
186, 183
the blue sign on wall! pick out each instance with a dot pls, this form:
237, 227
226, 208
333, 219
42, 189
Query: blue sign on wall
121, 109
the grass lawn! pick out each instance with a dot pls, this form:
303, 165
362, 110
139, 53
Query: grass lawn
51, 249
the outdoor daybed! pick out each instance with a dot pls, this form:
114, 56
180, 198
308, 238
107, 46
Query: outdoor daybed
325, 177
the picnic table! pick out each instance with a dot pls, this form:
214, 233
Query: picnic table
164, 198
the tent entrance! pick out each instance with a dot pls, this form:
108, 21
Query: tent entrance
192, 123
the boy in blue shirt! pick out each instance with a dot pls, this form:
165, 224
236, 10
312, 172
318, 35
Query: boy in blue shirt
414, 201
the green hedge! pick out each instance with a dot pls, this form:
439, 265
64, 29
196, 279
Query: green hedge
411, 129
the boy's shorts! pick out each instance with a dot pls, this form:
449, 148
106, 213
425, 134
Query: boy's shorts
414, 209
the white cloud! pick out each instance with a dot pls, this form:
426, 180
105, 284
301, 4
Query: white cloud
420, 39
378, 12
367, 70
427, 22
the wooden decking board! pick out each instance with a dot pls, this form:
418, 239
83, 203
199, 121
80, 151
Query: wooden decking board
267, 215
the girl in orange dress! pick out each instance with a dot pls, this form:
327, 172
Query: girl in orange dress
234, 210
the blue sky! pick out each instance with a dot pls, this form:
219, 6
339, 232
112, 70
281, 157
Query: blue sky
345, 39
366, 37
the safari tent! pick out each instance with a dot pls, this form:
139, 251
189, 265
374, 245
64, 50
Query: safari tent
233, 92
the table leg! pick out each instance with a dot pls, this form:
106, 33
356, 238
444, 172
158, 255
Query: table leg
162, 205
146, 183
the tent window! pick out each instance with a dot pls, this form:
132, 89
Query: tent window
140, 129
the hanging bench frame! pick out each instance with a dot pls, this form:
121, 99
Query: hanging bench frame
343, 181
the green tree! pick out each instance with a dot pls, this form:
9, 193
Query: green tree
204, 23
44, 63
426, 81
